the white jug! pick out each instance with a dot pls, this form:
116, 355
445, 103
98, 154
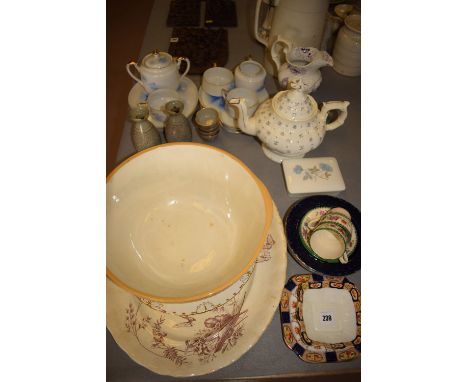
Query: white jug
347, 50
300, 22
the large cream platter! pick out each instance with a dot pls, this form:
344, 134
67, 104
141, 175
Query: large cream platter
170, 348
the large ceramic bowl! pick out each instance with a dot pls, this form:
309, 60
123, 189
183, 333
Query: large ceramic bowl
184, 222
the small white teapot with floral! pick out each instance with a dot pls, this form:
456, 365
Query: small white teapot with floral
290, 124
158, 70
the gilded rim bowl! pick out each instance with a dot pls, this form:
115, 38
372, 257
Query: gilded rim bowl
184, 222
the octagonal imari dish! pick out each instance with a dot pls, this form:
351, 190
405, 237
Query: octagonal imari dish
336, 323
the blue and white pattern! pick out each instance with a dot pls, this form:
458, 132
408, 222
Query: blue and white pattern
215, 100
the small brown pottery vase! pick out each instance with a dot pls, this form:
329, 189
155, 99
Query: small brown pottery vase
144, 134
176, 127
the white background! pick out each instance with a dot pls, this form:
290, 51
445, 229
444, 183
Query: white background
414, 198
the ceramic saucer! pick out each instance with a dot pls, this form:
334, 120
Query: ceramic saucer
187, 91
218, 103
299, 252
226, 335
321, 318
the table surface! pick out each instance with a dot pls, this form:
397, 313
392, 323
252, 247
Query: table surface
269, 356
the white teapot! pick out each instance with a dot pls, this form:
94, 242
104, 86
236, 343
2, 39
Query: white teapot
158, 70
289, 124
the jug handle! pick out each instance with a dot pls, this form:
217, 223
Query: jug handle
260, 39
129, 65
334, 105
179, 60
275, 55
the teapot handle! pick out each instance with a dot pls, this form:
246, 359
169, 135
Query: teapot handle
334, 105
129, 65
179, 60
275, 54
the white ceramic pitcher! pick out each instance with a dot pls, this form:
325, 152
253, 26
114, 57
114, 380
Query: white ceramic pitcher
300, 62
300, 22
347, 50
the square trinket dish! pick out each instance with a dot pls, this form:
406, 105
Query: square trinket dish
313, 175
321, 318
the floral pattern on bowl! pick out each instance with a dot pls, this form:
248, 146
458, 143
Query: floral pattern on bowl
219, 334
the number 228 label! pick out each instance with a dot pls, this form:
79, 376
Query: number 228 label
326, 318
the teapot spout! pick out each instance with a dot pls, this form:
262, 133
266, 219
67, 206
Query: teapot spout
321, 59
246, 124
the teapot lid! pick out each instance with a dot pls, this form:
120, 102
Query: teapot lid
157, 60
294, 104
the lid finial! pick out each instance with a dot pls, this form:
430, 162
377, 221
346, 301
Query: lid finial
294, 104
296, 84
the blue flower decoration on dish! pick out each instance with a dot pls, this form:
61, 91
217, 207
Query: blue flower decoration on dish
298, 169
325, 167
